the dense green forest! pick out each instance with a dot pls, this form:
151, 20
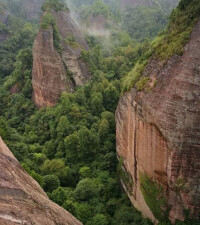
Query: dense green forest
70, 148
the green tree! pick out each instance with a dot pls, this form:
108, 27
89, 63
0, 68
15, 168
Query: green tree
88, 142
59, 195
51, 182
86, 189
98, 219
54, 166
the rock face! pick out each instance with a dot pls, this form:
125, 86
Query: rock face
55, 72
22, 201
158, 132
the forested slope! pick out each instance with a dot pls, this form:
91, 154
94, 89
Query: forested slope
70, 149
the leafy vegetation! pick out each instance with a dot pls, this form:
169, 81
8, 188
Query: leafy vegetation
49, 21
70, 41
97, 8
125, 176
154, 196
182, 21
70, 148
169, 42
140, 85
56, 5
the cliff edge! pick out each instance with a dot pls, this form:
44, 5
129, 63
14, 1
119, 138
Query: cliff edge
158, 137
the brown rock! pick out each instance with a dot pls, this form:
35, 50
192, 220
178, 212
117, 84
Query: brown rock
22, 201
50, 75
158, 131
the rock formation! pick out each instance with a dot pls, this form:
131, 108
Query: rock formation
53, 71
22, 201
158, 134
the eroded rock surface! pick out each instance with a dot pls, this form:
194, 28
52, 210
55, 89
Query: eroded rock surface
22, 201
158, 132
55, 72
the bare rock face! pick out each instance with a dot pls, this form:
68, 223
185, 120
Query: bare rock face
158, 133
22, 201
71, 54
55, 72
49, 75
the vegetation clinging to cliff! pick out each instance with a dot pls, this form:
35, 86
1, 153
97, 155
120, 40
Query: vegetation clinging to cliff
170, 42
49, 21
174, 38
57, 5
154, 196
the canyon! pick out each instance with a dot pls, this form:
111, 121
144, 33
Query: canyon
22, 200
158, 136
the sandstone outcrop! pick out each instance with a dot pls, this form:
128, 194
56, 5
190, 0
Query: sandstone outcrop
53, 71
158, 133
22, 201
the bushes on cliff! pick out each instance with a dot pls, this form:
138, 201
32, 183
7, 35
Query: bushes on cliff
182, 21
154, 197
49, 21
57, 5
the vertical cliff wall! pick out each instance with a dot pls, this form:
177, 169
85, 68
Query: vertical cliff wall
57, 71
22, 201
158, 137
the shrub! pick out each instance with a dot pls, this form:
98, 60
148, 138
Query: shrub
51, 182
140, 85
57, 5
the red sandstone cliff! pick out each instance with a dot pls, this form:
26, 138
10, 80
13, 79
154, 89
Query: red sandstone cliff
55, 72
158, 132
22, 201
